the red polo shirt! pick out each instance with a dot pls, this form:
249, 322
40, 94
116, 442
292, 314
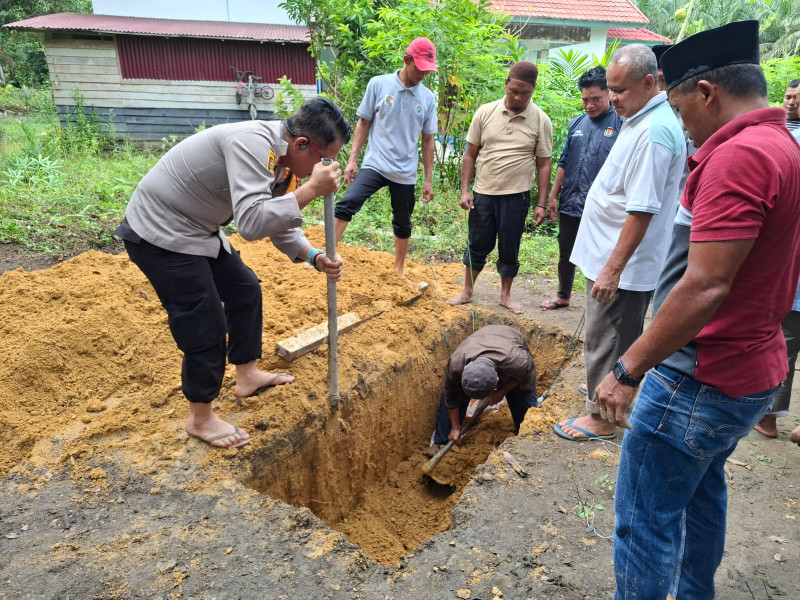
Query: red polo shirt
745, 184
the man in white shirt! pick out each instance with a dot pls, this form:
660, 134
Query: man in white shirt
626, 225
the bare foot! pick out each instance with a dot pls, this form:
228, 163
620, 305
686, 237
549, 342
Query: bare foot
213, 430
406, 279
591, 422
252, 383
555, 303
767, 426
795, 436
464, 297
514, 307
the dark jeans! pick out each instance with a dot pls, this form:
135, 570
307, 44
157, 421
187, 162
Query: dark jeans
497, 220
791, 333
366, 183
671, 495
567, 232
193, 290
518, 402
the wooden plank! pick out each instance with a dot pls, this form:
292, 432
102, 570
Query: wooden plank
82, 60
88, 95
310, 339
73, 78
80, 47
85, 87
305, 342
87, 69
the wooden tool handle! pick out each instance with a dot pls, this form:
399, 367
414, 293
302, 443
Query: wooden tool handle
438, 456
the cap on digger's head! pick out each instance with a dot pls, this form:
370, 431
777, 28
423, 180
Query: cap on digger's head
423, 52
479, 378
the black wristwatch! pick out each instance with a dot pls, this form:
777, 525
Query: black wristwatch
622, 375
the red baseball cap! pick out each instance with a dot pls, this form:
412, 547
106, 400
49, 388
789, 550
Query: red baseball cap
423, 52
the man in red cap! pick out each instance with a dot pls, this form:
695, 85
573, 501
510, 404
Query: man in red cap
396, 108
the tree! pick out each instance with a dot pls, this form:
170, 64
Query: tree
355, 40
779, 19
22, 53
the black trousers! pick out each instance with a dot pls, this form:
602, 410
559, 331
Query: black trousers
497, 220
193, 290
567, 232
518, 403
366, 183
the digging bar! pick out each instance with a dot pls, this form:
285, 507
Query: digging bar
333, 326
431, 464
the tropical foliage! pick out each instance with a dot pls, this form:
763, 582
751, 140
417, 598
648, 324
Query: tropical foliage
21, 53
780, 20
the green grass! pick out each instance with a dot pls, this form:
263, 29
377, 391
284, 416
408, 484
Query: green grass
61, 193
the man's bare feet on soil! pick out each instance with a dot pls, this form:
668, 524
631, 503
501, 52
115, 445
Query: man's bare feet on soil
204, 424
591, 422
514, 307
406, 279
767, 426
555, 303
250, 380
463, 298
795, 436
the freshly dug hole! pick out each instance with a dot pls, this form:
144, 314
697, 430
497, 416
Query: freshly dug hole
362, 473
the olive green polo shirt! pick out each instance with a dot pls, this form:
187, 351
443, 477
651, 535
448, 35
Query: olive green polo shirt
509, 146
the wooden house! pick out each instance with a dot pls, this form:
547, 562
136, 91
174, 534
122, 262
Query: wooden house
154, 78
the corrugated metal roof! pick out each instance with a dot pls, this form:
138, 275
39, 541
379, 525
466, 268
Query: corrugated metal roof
636, 34
596, 11
166, 27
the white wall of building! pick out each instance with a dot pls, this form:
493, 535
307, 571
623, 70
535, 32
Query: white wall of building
542, 49
239, 11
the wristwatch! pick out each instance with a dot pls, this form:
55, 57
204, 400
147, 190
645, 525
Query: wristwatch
622, 375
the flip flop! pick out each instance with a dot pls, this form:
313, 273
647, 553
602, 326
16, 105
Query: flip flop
553, 305
589, 435
583, 389
270, 384
222, 436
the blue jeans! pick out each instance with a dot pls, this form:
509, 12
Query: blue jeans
671, 495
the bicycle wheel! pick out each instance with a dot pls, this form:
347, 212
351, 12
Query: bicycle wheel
239, 96
253, 112
267, 93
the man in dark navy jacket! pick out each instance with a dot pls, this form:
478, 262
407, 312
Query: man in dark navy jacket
589, 140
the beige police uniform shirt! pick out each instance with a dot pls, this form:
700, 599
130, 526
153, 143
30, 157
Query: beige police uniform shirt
222, 173
509, 146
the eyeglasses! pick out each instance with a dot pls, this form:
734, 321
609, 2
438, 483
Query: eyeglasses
315, 148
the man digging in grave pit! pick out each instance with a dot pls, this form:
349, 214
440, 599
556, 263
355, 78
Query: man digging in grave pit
246, 173
494, 361
714, 354
509, 140
396, 108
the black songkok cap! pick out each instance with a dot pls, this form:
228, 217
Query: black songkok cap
732, 44
659, 50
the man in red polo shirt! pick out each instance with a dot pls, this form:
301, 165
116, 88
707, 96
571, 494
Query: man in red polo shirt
714, 354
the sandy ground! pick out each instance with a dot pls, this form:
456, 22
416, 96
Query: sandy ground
104, 496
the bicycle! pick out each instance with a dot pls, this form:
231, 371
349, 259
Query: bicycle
253, 86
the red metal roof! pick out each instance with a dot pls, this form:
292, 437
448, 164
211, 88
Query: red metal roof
598, 11
166, 27
636, 34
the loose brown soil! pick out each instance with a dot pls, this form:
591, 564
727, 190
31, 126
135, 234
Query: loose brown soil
104, 495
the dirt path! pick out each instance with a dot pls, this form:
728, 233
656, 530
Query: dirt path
103, 495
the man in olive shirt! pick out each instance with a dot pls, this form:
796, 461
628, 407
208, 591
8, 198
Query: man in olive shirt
496, 361
246, 173
510, 139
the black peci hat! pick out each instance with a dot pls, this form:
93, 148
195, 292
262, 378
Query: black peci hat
659, 51
732, 44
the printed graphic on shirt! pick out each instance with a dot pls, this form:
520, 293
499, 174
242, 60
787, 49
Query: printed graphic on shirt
388, 101
271, 161
419, 109
608, 132
577, 133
